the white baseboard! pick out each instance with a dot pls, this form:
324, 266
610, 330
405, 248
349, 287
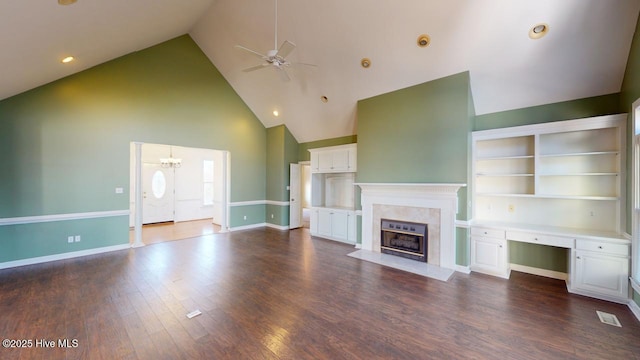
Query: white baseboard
247, 227
277, 227
63, 256
463, 269
358, 246
635, 309
540, 272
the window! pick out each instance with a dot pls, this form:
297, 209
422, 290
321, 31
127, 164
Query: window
207, 181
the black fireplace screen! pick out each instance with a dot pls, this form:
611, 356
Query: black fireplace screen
404, 239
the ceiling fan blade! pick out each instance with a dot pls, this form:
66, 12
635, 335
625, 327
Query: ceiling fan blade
285, 49
305, 64
251, 51
254, 68
283, 74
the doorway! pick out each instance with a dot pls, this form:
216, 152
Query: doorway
305, 177
182, 191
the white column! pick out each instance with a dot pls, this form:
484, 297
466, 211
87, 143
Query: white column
137, 242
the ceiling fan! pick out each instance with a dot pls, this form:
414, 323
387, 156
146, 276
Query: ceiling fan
275, 58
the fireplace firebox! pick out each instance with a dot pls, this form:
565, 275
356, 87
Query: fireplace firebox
405, 239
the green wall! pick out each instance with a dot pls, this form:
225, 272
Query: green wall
420, 134
575, 109
303, 149
66, 144
282, 150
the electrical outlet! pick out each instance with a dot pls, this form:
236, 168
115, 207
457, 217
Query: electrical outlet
77, 238
119, 190
511, 208
272, 216
245, 217
70, 239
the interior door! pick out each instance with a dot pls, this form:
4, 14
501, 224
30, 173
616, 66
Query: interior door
295, 197
157, 193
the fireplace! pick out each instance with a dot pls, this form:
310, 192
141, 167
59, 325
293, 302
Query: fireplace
433, 204
405, 239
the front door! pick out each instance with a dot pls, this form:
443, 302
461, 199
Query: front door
157, 193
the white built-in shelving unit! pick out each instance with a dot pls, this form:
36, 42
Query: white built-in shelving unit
333, 192
557, 184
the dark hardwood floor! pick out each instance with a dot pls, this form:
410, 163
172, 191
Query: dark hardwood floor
267, 294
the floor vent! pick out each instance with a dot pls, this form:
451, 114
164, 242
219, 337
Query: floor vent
195, 313
608, 319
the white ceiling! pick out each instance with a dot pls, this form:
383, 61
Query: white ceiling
583, 55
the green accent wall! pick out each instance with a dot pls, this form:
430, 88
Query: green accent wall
303, 150
567, 110
67, 143
463, 247
50, 238
256, 214
418, 134
282, 150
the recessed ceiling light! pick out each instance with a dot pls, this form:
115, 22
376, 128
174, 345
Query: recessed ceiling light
67, 60
66, 2
365, 62
424, 40
324, 99
538, 31
276, 113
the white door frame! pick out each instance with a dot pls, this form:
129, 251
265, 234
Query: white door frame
226, 176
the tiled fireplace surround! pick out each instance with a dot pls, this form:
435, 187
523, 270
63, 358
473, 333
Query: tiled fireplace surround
432, 204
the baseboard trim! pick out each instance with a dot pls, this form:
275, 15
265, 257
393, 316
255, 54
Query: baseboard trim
62, 217
63, 256
463, 269
635, 309
540, 272
247, 227
277, 227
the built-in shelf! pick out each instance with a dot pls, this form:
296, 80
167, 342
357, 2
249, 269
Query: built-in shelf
565, 173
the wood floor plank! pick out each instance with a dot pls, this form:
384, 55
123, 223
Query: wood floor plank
268, 294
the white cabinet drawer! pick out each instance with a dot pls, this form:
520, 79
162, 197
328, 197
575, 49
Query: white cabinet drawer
603, 247
494, 233
559, 241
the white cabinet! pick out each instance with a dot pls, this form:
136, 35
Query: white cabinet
333, 193
600, 269
333, 159
335, 224
489, 252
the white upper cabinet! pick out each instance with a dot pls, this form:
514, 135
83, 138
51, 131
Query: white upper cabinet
340, 158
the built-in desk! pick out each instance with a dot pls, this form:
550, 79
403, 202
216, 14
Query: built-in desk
598, 261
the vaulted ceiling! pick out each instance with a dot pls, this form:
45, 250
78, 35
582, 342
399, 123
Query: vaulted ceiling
583, 54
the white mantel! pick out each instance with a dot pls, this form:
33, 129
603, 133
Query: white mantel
443, 197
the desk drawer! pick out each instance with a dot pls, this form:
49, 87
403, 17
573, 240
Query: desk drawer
486, 232
603, 247
551, 240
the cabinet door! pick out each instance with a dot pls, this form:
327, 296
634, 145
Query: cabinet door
603, 274
341, 160
325, 161
488, 255
340, 225
324, 222
315, 162
313, 221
